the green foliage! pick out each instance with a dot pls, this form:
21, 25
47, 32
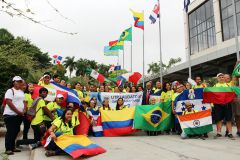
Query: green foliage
60, 70
154, 67
114, 74
5, 37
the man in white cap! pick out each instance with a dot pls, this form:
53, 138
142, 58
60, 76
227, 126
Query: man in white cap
45, 80
223, 111
52, 107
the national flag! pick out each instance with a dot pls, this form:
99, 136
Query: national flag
131, 77
57, 59
72, 96
95, 116
116, 45
78, 145
139, 19
196, 123
186, 4
83, 127
52, 93
111, 68
195, 98
126, 35
116, 68
94, 74
156, 117
236, 71
218, 95
108, 52
118, 123
155, 14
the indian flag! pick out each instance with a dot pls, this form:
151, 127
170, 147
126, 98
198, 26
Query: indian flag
94, 74
196, 123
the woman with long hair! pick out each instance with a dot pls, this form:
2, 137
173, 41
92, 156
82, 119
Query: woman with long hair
105, 105
120, 104
167, 93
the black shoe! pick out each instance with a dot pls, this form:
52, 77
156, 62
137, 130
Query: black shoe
218, 135
226, 134
16, 150
238, 133
205, 135
231, 136
9, 152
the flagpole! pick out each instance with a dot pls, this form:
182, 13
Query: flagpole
189, 53
131, 51
160, 46
123, 55
143, 52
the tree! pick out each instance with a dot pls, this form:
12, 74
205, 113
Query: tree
154, 68
70, 64
5, 37
103, 69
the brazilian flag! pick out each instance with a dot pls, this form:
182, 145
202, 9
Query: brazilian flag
156, 117
236, 71
126, 35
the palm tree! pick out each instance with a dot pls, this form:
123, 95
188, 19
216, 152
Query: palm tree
70, 64
81, 66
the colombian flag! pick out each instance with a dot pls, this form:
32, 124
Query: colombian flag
118, 123
77, 145
139, 19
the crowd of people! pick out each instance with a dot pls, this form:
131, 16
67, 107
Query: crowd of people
43, 117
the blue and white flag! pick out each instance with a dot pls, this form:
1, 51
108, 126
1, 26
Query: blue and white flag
97, 127
155, 14
186, 4
72, 95
195, 97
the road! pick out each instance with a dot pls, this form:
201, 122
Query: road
142, 147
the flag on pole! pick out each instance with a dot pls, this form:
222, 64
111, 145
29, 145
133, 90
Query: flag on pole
57, 59
139, 19
108, 52
155, 14
94, 74
116, 45
236, 71
111, 68
126, 35
186, 4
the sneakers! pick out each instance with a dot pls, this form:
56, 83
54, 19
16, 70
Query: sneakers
9, 152
33, 146
218, 135
16, 150
238, 134
226, 134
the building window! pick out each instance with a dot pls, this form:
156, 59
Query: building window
202, 27
227, 18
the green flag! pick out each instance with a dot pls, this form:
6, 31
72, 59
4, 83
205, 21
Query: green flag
126, 35
156, 117
236, 71
119, 45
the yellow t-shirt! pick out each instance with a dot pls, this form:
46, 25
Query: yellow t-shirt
39, 113
41, 83
75, 120
198, 86
80, 94
166, 96
221, 85
51, 106
28, 99
62, 127
175, 96
186, 112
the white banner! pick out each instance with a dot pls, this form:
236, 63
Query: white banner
130, 99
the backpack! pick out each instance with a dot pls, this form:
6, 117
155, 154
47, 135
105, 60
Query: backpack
31, 113
4, 103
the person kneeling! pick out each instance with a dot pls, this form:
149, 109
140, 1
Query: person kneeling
62, 125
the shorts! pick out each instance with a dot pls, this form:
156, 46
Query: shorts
223, 112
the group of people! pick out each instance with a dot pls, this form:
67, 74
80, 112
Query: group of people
45, 117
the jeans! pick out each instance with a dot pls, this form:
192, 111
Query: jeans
13, 127
26, 128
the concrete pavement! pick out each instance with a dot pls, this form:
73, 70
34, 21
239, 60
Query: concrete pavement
141, 147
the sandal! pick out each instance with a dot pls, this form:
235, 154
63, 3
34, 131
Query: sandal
50, 153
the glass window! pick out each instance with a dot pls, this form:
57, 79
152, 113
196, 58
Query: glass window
202, 27
227, 18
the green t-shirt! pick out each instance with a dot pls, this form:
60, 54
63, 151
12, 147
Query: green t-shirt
39, 113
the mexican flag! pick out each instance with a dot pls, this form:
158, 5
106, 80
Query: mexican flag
219, 95
94, 74
156, 117
196, 123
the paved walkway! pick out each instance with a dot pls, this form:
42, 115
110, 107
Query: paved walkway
142, 147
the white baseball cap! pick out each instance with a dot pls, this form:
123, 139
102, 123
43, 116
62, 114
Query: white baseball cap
17, 78
59, 96
220, 74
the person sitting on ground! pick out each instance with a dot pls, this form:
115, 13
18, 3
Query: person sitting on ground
62, 125
120, 104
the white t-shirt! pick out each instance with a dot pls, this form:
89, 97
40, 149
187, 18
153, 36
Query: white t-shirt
17, 100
